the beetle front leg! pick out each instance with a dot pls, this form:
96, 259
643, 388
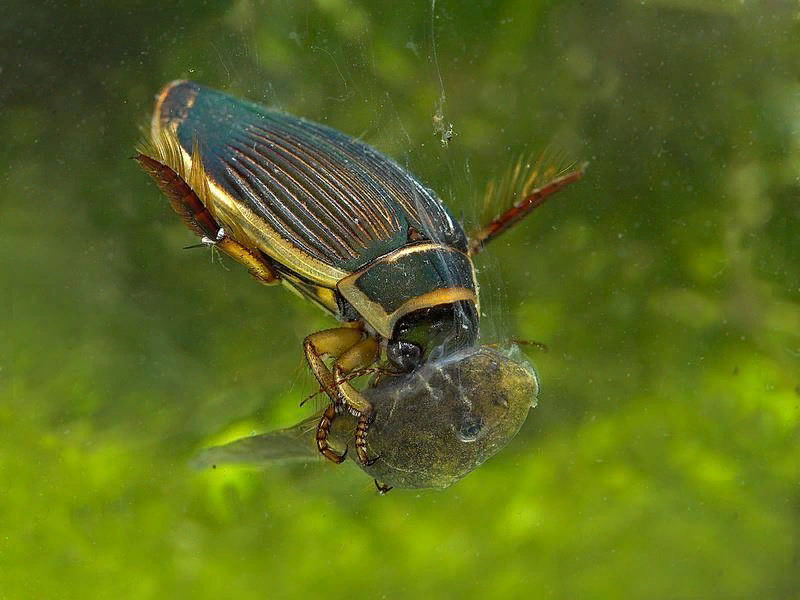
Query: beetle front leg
323, 428
331, 342
359, 356
363, 354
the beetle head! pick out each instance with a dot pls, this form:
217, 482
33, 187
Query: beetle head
432, 334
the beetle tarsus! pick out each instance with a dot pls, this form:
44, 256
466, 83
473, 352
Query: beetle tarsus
322, 436
364, 421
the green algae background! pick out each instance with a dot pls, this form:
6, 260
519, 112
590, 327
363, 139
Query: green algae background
663, 458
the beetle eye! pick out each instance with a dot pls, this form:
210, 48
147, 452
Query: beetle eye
470, 429
405, 356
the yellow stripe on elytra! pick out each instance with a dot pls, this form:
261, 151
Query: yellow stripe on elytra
238, 221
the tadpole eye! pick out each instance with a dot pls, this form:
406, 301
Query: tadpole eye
404, 356
470, 429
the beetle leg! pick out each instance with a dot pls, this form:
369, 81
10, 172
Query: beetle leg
256, 264
189, 204
363, 354
331, 342
364, 421
520, 210
322, 436
351, 353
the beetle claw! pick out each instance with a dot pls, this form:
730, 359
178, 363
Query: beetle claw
383, 488
371, 461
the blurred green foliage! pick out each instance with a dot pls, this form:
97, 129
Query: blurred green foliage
662, 461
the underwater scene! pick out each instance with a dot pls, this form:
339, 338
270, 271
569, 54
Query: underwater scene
562, 238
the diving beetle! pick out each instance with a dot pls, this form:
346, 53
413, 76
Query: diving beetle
338, 222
